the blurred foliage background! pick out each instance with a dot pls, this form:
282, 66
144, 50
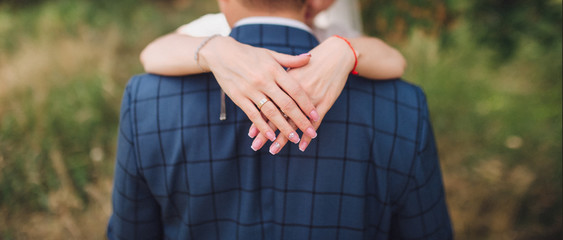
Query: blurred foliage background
492, 71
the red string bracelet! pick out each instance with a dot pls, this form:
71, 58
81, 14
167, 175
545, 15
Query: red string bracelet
354, 51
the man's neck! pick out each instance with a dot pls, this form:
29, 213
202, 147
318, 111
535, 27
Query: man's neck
235, 12
258, 14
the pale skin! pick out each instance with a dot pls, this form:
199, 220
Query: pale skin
248, 74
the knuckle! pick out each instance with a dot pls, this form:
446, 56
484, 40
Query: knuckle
295, 89
254, 116
245, 88
271, 69
268, 111
287, 105
258, 81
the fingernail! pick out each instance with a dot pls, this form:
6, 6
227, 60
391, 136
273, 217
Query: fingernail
305, 54
271, 136
256, 144
293, 137
314, 115
303, 145
311, 132
252, 132
274, 148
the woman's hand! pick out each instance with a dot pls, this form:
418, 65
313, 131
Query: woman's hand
323, 80
248, 75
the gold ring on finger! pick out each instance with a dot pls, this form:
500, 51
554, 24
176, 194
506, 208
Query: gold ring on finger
262, 102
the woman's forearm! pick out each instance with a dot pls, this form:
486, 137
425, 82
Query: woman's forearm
172, 55
377, 60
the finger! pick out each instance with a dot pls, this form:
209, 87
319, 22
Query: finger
288, 106
290, 61
323, 108
255, 116
280, 142
270, 110
298, 94
305, 140
253, 131
291, 109
261, 139
277, 145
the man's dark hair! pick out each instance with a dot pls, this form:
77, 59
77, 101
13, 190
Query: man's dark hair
273, 5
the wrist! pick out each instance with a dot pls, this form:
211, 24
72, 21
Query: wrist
350, 53
207, 50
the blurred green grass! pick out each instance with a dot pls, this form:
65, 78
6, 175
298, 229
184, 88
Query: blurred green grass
64, 64
498, 127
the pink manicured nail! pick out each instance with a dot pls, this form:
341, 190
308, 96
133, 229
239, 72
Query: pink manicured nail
293, 137
303, 145
253, 132
256, 144
315, 115
311, 132
305, 54
271, 136
275, 148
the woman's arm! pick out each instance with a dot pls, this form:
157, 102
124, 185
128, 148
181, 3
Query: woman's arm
377, 60
247, 75
172, 55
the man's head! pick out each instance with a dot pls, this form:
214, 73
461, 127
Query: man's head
235, 10
302, 10
275, 5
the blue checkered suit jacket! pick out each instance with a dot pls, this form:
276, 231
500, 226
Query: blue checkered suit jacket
181, 173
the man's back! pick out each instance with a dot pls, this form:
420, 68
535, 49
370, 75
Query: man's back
372, 172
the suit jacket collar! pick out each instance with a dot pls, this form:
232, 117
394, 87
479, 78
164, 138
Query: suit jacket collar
274, 21
279, 38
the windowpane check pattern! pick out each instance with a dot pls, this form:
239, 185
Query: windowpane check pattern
181, 173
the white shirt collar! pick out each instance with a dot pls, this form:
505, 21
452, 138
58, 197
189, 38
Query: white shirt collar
274, 21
